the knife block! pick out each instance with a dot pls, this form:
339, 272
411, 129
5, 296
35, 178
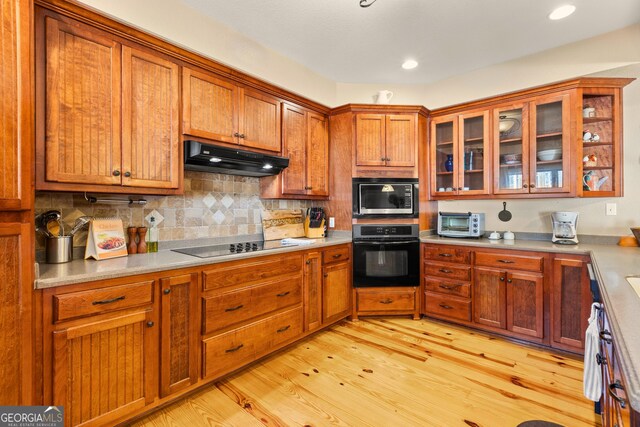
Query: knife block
313, 233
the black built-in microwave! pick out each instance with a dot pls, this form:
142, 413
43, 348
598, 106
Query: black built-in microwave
385, 198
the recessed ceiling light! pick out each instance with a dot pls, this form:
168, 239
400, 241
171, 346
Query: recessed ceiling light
409, 64
562, 12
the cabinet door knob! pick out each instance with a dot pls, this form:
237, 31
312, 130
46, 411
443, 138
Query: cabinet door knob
236, 134
501, 279
525, 186
383, 159
459, 188
509, 281
308, 261
167, 291
150, 324
388, 159
116, 172
326, 275
127, 174
532, 186
241, 135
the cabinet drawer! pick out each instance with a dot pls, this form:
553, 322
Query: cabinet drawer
509, 261
103, 300
460, 289
226, 352
340, 253
245, 272
448, 271
222, 310
457, 255
447, 306
388, 300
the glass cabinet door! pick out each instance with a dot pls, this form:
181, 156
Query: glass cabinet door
550, 153
473, 173
511, 144
444, 164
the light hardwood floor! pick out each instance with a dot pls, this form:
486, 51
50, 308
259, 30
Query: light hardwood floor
393, 372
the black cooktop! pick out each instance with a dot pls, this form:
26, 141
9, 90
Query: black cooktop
227, 249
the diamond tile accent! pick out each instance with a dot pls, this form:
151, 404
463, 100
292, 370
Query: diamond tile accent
70, 218
154, 213
218, 217
208, 219
227, 201
209, 200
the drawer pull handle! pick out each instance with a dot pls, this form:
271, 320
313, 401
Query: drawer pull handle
612, 392
108, 301
283, 329
445, 255
237, 307
450, 287
232, 349
605, 336
444, 270
386, 301
506, 261
448, 307
283, 294
337, 256
600, 359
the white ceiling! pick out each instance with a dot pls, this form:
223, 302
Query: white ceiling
346, 43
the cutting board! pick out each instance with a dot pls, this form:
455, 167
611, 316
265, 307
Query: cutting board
282, 223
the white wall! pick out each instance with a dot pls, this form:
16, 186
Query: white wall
181, 25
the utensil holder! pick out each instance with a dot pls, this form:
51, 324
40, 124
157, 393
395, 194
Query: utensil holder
59, 249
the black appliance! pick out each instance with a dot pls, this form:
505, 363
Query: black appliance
386, 255
211, 158
385, 197
232, 248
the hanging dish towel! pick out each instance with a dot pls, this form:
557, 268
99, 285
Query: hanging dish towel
592, 380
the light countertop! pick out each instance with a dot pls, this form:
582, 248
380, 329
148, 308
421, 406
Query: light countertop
79, 271
612, 264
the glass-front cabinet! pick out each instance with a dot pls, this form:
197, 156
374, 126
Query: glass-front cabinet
601, 157
531, 146
460, 156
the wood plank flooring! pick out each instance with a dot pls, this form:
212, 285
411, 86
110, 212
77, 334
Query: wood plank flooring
393, 372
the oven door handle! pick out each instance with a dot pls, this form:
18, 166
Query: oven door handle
391, 243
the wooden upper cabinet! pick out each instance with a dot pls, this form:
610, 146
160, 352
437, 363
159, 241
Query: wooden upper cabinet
219, 110
259, 121
317, 154
294, 130
150, 121
110, 112
400, 137
210, 106
370, 138
305, 142
83, 87
16, 154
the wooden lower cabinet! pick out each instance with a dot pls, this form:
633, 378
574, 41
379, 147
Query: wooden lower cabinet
336, 292
104, 368
489, 298
179, 331
615, 407
570, 302
386, 301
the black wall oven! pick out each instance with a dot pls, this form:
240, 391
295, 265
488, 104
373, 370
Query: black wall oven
385, 198
386, 255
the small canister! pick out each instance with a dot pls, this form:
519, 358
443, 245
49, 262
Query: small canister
59, 249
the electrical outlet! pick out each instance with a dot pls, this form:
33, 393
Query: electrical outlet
611, 209
332, 222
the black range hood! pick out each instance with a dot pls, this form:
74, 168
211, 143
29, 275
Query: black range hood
210, 158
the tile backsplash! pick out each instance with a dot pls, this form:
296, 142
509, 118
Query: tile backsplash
213, 205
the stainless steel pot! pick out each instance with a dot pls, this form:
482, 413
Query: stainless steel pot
59, 249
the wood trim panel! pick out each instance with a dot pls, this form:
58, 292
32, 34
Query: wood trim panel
16, 106
380, 109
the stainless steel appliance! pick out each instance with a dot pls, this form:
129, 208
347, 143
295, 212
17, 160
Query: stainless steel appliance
564, 228
385, 198
466, 224
211, 158
386, 255
231, 248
